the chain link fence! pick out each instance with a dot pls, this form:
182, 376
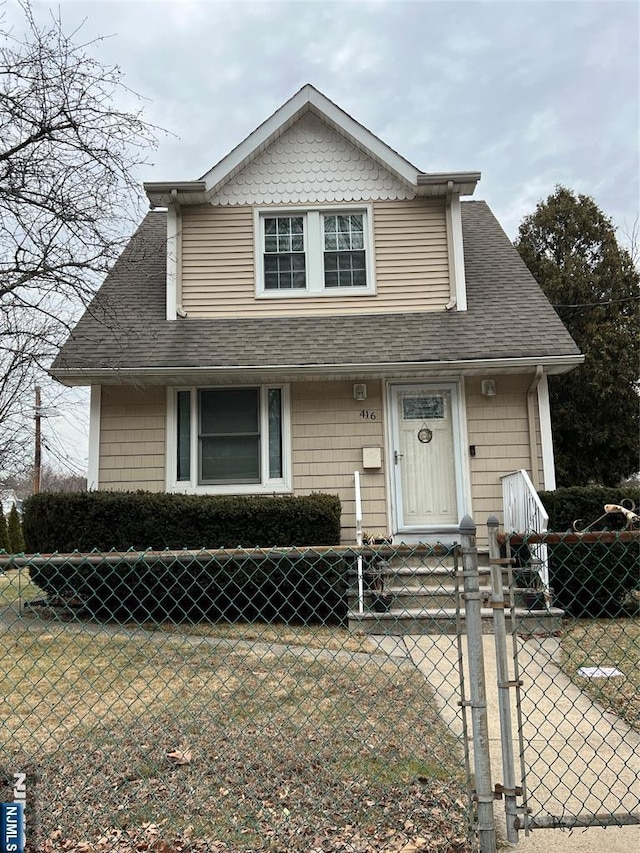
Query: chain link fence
579, 711
220, 701
314, 699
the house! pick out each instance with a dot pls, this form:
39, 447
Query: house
312, 306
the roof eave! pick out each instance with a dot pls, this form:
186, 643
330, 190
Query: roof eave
164, 193
442, 183
461, 367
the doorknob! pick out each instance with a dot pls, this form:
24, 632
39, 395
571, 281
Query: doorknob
397, 456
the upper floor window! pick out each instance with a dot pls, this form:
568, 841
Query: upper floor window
344, 253
314, 252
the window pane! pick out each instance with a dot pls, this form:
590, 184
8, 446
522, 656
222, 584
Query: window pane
228, 458
270, 226
229, 435
351, 269
184, 434
278, 271
228, 410
270, 244
275, 433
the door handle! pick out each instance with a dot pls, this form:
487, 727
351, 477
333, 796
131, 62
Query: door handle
397, 456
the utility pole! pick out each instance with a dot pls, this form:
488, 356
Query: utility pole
37, 463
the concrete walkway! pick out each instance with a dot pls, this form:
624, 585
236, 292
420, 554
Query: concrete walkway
580, 759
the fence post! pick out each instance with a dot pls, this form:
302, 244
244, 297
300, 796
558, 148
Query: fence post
504, 684
477, 689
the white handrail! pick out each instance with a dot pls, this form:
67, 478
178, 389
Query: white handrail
525, 513
356, 478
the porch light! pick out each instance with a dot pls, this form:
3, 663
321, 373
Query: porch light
488, 388
360, 391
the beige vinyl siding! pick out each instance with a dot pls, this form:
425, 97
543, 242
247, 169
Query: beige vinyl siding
498, 427
411, 256
132, 438
410, 253
327, 436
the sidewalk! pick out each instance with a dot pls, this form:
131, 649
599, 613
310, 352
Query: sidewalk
579, 758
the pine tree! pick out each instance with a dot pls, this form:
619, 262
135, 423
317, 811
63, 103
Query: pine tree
14, 527
570, 246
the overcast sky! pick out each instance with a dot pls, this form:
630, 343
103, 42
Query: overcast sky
531, 94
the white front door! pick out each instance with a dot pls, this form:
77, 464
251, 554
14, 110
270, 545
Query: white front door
424, 456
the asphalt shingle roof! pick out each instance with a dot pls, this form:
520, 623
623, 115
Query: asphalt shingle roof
508, 316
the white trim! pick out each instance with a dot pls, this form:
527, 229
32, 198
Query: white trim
465, 469
546, 435
172, 261
307, 98
93, 462
314, 251
281, 485
460, 287
461, 465
469, 367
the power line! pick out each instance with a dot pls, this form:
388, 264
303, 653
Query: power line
595, 304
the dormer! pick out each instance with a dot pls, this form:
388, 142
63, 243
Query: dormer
313, 214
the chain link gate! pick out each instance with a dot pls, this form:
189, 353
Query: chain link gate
575, 691
234, 701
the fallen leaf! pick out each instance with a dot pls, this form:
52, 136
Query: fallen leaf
180, 756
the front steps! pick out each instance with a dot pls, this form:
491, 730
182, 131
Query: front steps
420, 583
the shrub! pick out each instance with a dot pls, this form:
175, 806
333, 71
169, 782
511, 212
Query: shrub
103, 521
301, 586
594, 578
591, 578
14, 532
586, 503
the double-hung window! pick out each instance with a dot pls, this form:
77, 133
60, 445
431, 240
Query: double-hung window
314, 252
231, 439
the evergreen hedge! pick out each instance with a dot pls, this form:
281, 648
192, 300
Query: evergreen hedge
586, 503
593, 579
87, 521
299, 587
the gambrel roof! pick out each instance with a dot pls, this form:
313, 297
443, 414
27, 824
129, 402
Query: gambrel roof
124, 334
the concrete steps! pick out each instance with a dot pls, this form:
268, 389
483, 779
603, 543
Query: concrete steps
413, 591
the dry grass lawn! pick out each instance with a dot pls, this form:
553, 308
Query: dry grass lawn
201, 743
607, 643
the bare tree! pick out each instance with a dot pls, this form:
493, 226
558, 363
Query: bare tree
68, 196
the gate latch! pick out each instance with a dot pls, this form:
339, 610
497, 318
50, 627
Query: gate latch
499, 790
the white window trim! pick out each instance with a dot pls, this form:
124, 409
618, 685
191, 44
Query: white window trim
314, 251
280, 485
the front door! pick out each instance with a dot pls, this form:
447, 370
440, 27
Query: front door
424, 457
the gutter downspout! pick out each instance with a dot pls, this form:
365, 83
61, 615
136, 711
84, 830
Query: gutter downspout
531, 420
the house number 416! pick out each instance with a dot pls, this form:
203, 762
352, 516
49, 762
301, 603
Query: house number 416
368, 415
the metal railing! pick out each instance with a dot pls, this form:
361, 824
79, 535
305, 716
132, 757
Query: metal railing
524, 512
